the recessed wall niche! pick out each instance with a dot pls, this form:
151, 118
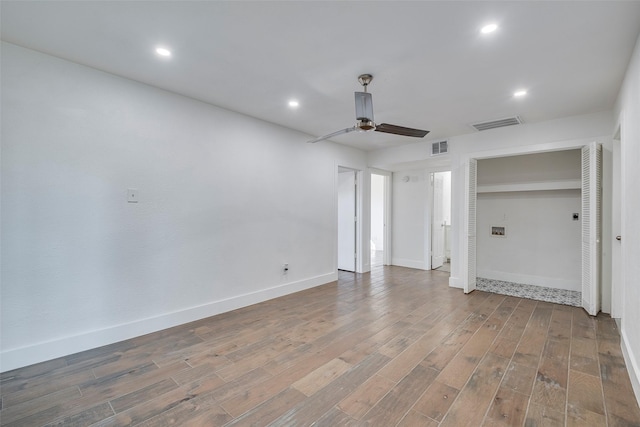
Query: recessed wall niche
526, 203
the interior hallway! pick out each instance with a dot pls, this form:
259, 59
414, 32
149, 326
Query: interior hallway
393, 347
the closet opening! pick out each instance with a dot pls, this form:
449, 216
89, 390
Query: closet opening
441, 221
533, 225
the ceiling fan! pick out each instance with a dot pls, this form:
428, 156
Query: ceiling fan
364, 117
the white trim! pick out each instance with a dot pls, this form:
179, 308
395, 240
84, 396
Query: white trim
361, 265
455, 282
572, 184
410, 263
428, 219
618, 279
24, 356
632, 366
386, 215
388, 229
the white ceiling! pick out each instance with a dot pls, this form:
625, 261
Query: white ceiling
432, 68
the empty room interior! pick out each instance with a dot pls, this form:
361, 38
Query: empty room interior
207, 221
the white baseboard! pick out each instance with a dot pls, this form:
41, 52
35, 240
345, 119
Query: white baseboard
456, 282
549, 282
43, 351
410, 263
632, 365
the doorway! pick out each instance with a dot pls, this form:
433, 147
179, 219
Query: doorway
380, 187
441, 221
587, 212
347, 219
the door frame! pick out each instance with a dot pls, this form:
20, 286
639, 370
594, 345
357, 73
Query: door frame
430, 214
360, 214
618, 224
347, 219
428, 217
461, 239
386, 215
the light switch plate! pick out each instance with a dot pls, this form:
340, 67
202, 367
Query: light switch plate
132, 195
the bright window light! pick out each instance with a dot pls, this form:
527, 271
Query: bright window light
163, 51
294, 103
489, 28
519, 93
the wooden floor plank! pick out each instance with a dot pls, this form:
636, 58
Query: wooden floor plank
366, 396
538, 415
394, 347
322, 376
270, 410
550, 387
474, 399
416, 419
315, 406
507, 409
436, 401
395, 404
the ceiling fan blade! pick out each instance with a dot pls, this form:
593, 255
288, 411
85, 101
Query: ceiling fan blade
400, 130
331, 135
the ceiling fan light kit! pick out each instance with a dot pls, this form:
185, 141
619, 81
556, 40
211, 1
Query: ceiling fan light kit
364, 117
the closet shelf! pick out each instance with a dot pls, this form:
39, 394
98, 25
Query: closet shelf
531, 186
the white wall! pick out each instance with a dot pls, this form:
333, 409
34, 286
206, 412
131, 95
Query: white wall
224, 201
409, 213
542, 245
561, 134
563, 167
628, 111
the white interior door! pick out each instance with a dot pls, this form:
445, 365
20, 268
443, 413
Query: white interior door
591, 226
437, 221
471, 184
347, 221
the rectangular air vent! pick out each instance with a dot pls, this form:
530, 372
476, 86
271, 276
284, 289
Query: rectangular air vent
508, 121
441, 147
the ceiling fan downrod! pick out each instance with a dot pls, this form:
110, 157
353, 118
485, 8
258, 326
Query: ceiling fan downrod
364, 80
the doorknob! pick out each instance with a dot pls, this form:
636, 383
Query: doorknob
618, 238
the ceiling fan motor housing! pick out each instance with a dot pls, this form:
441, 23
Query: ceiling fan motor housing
364, 107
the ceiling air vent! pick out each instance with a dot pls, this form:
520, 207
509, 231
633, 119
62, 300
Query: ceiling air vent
508, 121
438, 148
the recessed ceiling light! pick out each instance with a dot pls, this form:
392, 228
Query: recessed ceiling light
489, 28
163, 51
519, 93
294, 103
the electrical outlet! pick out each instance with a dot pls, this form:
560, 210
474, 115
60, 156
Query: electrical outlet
132, 195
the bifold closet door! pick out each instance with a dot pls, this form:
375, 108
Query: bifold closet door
471, 184
591, 226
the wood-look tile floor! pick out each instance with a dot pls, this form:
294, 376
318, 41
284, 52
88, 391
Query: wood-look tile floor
396, 347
